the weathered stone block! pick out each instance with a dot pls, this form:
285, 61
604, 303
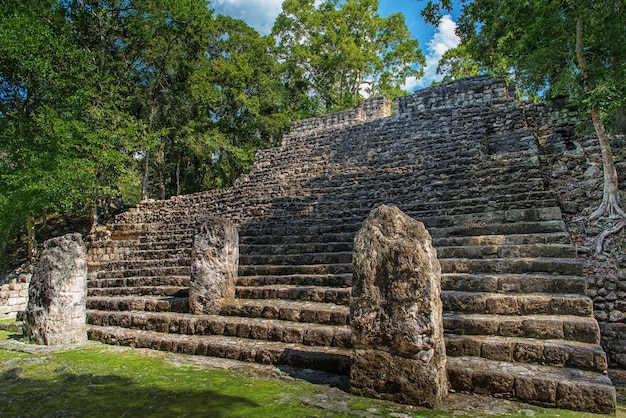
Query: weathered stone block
528, 352
379, 374
535, 389
497, 350
214, 261
396, 312
56, 311
586, 397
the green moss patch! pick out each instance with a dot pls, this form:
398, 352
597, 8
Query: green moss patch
106, 381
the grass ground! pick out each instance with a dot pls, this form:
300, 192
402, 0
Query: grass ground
105, 381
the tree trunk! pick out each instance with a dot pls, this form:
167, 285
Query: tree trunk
610, 205
146, 174
162, 180
610, 197
178, 177
32, 243
94, 217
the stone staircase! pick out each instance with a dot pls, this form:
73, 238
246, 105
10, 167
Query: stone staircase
458, 158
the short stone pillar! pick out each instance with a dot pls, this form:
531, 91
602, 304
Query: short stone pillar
396, 312
214, 264
57, 293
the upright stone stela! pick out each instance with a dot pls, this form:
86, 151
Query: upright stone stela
55, 313
462, 158
214, 261
396, 312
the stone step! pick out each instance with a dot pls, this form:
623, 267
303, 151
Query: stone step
328, 359
543, 327
516, 303
423, 205
181, 233
317, 269
296, 259
229, 326
171, 250
302, 226
415, 183
476, 219
514, 283
139, 303
320, 232
331, 280
173, 291
549, 386
556, 353
563, 266
130, 246
339, 296
481, 172
145, 272
501, 246
283, 237
297, 248
485, 229
140, 262
562, 238
507, 251
288, 310
177, 281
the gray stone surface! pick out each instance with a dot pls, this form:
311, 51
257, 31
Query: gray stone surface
58, 290
396, 312
214, 261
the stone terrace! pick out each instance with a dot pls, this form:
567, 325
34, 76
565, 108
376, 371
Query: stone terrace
460, 158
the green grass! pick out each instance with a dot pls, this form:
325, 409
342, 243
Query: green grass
106, 381
116, 383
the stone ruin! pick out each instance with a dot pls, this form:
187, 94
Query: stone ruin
464, 159
396, 312
57, 293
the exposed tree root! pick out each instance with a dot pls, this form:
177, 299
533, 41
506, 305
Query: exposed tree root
610, 208
607, 232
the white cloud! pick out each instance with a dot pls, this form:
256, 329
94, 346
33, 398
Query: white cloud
444, 38
260, 14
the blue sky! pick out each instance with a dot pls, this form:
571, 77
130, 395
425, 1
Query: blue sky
261, 14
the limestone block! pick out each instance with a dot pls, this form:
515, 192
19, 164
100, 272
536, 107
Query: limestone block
55, 313
214, 263
396, 312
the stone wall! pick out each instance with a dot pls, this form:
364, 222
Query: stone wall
473, 91
13, 299
576, 174
375, 108
14, 292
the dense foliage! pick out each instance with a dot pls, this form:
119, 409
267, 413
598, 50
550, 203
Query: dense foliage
334, 52
154, 98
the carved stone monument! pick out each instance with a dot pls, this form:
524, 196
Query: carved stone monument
55, 313
396, 312
214, 262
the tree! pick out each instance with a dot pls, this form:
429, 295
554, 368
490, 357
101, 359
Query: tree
242, 98
336, 52
572, 47
98, 97
47, 165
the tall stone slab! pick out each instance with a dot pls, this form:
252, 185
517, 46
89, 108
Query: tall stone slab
214, 263
57, 293
396, 312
